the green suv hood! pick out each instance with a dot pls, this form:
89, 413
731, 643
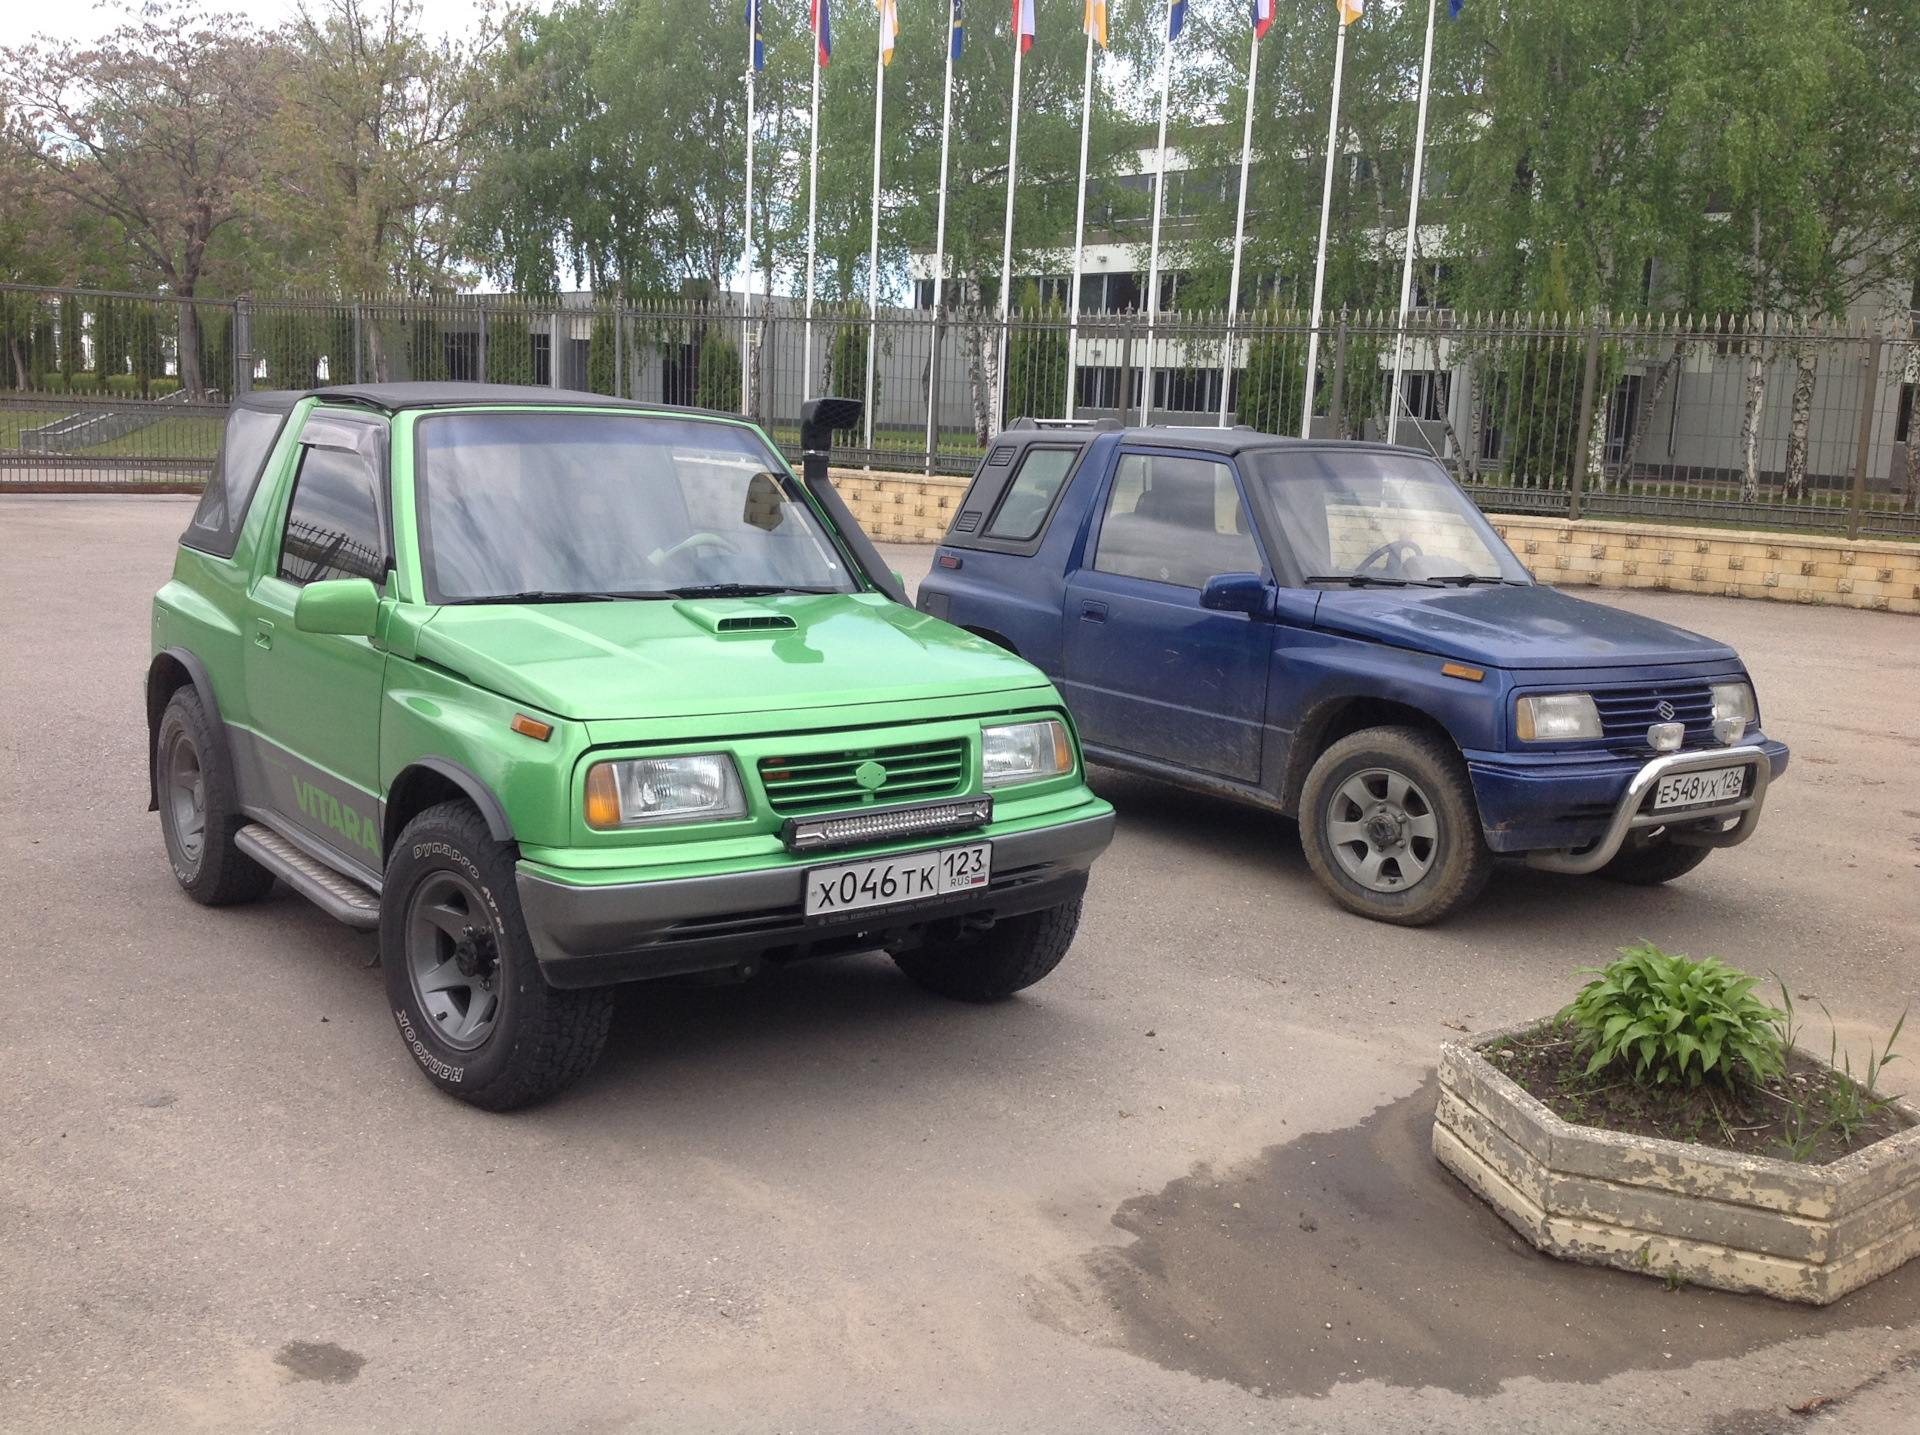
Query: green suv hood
659, 658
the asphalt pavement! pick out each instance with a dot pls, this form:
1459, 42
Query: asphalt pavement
1181, 1185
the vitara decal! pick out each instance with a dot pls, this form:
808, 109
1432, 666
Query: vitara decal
329, 811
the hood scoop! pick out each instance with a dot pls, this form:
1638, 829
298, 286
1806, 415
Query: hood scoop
729, 618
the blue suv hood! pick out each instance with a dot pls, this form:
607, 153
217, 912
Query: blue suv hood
1512, 627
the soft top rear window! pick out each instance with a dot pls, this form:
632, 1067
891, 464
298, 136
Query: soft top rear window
244, 448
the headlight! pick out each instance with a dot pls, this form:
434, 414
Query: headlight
1024, 752
705, 788
1557, 717
1733, 711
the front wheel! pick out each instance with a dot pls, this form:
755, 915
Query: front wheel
461, 977
987, 966
1390, 826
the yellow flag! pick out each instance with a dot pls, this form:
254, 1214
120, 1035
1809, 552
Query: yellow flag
1096, 24
1350, 10
889, 28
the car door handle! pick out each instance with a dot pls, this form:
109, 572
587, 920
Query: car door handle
263, 632
1093, 612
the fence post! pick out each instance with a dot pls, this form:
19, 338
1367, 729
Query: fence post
1582, 449
242, 349
933, 388
359, 347
1336, 401
1865, 450
480, 311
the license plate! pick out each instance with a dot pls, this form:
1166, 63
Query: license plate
887, 881
1695, 789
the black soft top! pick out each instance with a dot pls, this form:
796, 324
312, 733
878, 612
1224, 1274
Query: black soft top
392, 398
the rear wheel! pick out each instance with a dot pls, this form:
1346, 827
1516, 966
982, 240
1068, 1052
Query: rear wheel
1390, 827
461, 977
200, 809
987, 966
1660, 860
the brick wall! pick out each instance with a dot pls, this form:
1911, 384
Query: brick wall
906, 508
1785, 568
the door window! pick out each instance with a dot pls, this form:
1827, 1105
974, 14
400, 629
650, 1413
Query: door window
1175, 519
1030, 498
333, 522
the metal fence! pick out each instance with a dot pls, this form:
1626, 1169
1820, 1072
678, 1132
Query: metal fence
1751, 422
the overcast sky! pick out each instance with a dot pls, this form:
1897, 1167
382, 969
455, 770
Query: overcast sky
21, 20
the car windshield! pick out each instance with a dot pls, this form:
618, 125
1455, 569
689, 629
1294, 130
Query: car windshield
528, 506
1363, 516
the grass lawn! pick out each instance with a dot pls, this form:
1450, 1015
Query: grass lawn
185, 437
13, 420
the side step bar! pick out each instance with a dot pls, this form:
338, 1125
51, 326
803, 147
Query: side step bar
341, 898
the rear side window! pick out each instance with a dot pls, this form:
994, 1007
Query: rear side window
244, 448
333, 521
1175, 520
1030, 498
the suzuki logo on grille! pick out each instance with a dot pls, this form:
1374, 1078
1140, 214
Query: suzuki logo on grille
870, 775
1666, 710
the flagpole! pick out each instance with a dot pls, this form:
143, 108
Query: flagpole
1079, 234
1239, 228
813, 195
1413, 222
1320, 263
1153, 244
940, 256
1006, 241
873, 237
746, 242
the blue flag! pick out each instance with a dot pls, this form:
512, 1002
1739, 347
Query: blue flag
1176, 17
959, 33
753, 29
1454, 7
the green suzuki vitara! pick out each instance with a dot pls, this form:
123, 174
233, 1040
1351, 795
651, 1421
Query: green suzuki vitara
558, 691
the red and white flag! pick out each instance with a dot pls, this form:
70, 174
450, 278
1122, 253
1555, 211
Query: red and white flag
1023, 23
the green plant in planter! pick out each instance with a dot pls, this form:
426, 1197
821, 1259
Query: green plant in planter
1674, 1020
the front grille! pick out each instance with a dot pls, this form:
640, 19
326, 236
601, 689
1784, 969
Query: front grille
1627, 713
826, 781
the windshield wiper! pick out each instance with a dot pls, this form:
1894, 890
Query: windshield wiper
538, 595
1463, 580
1359, 580
739, 590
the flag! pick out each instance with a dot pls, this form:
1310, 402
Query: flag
1176, 17
753, 29
1096, 22
1262, 18
822, 26
1454, 7
1023, 24
889, 27
957, 36
1350, 10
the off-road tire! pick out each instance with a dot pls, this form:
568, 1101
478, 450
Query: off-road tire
189, 762
1012, 954
540, 1039
1659, 861
1459, 860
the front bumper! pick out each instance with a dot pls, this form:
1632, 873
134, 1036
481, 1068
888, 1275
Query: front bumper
589, 936
1704, 826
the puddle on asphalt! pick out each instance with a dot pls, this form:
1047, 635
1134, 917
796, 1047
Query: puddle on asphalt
1354, 1255
327, 1363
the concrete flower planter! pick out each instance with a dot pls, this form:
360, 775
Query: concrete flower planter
1742, 1223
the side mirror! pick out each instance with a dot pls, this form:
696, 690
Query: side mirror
763, 506
1235, 593
349, 607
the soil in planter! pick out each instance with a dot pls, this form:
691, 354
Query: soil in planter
1787, 1118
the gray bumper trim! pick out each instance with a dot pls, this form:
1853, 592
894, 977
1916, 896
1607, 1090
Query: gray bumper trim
1627, 814
584, 935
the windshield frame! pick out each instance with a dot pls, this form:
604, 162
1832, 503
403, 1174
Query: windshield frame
413, 507
1285, 557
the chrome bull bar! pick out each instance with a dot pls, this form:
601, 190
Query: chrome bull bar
1628, 817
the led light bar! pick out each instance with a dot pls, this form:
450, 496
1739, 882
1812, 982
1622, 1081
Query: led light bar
884, 824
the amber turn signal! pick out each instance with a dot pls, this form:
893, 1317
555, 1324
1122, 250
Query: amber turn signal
603, 796
531, 727
1461, 670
